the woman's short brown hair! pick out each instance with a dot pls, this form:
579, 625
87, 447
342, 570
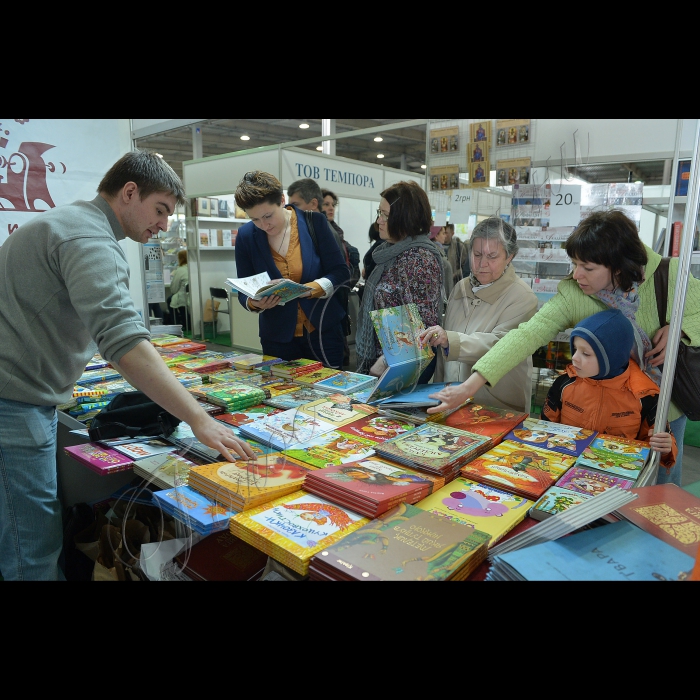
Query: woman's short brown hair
610, 238
410, 213
258, 187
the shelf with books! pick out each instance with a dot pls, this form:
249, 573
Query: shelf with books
223, 219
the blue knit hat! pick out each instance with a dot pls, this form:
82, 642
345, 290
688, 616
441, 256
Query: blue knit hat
611, 336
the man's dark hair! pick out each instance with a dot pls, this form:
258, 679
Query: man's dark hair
307, 189
150, 173
610, 238
410, 213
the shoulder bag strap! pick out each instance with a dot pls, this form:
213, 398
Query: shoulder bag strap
661, 289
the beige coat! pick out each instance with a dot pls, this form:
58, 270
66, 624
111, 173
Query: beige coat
474, 323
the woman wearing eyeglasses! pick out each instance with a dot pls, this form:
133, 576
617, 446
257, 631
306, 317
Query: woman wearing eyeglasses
483, 308
278, 241
408, 270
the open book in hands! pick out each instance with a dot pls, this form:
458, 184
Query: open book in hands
260, 286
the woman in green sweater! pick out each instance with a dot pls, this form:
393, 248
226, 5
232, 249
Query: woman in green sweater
612, 269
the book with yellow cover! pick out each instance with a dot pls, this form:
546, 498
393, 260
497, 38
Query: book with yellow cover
291, 529
482, 507
338, 413
523, 470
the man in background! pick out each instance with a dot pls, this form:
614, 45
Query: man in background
457, 253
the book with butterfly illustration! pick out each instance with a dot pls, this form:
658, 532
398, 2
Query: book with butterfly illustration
397, 328
260, 286
523, 470
567, 439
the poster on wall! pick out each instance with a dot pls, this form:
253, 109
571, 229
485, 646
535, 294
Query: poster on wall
444, 140
513, 171
512, 132
480, 131
45, 163
444, 177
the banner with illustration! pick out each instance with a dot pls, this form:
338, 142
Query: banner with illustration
45, 163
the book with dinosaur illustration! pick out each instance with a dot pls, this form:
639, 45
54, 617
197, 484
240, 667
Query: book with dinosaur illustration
404, 544
292, 528
482, 507
397, 328
523, 470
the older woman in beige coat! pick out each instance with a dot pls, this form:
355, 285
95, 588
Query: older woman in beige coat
482, 309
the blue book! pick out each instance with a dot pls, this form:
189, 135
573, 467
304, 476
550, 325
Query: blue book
415, 397
616, 552
194, 509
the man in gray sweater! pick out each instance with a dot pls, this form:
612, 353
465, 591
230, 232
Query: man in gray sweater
64, 293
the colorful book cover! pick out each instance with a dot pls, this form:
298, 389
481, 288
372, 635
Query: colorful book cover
614, 552
524, 470
668, 512
482, 507
418, 396
286, 289
316, 375
377, 428
291, 368
491, 421
567, 439
291, 529
331, 448
338, 413
556, 500
345, 382
249, 415
147, 448
194, 509
406, 544
293, 399
165, 470
254, 360
282, 430
102, 460
615, 455
592, 481
370, 486
432, 446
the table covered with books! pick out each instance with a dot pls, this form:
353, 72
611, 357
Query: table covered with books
347, 487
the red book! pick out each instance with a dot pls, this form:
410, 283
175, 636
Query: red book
676, 231
491, 421
102, 460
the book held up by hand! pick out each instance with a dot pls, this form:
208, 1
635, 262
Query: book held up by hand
260, 286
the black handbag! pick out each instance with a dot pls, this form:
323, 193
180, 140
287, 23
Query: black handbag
686, 381
131, 414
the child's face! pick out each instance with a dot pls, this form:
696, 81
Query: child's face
584, 359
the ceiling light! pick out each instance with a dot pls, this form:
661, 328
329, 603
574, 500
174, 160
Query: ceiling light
380, 155
424, 166
245, 137
303, 125
378, 139
319, 148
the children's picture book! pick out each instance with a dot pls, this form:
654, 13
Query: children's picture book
523, 470
260, 286
371, 486
299, 396
194, 509
282, 430
481, 507
404, 544
567, 439
668, 512
293, 368
147, 448
339, 413
397, 328
615, 455
377, 428
255, 361
591, 481
555, 500
291, 529
614, 552
248, 416
102, 460
345, 383
418, 396
331, 448
316, 375
491, 421
433, 447
164, 471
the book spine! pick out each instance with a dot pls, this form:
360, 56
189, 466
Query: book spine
676, 232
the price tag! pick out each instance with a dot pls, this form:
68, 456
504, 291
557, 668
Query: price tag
565, 206
460, 206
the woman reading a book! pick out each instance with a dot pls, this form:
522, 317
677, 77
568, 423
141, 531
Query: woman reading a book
612, 268
482, 309
408, 269
283, 242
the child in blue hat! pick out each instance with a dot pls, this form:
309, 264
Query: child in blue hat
604, 389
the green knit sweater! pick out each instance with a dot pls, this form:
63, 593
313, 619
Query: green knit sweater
570, 306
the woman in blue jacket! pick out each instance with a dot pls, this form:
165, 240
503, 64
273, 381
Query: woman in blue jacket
278, 241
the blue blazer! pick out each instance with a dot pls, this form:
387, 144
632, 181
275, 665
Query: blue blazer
253, 256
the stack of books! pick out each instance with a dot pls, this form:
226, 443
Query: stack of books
101, 460
241, 485
316, 375
97, 362
164, 471
298, 396
434, 448
282, 430
371, 486
405, 544
93, 376
295, 368
293, 528
345, 383
203, 365
255, 361
491, 421
482, 507
188, 379
195, 510
236, 397
330, 449
567, 439
615, 455
248, 416
244, 376
377, 428
338, 411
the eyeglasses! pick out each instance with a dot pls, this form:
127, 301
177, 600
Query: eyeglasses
382, 215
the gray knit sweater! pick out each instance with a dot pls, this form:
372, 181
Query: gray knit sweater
64, 283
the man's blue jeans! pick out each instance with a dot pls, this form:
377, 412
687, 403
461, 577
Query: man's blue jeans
31, 523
